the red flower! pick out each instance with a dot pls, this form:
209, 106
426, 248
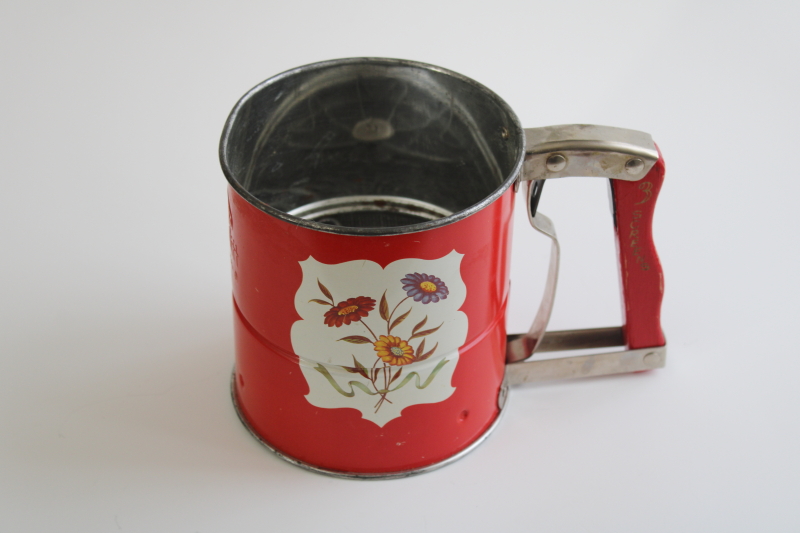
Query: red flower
351, 310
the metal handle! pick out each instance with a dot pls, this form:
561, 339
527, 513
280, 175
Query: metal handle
633, 163
640, 269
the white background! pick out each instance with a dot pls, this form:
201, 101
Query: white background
115, 314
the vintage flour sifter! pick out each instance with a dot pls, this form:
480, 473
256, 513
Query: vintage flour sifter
370, 208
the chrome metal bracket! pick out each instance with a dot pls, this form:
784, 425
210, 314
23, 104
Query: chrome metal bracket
588, 151
584, 366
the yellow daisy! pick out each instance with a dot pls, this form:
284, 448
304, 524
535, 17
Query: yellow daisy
394, 350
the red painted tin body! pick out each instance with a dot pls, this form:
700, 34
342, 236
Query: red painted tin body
270, 389
370, 220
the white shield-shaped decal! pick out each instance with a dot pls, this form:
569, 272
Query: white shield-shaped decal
380, 339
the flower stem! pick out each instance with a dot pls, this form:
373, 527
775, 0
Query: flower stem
395, 309
370, 330
386, 368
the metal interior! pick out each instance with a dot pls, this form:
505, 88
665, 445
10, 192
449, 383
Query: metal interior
370, 211
396, 146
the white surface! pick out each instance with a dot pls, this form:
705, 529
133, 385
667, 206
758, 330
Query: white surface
313, 340
115, 330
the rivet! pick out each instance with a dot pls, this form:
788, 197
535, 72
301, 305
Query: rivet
373, 129
502, 396
556, 162
634, 166
652, 359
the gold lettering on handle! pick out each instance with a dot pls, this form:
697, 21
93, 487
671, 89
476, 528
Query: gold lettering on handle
647, 188
634, 236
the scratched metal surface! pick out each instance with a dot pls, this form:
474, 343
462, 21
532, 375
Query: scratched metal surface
374, 127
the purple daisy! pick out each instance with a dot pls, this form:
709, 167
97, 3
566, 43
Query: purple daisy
424, 288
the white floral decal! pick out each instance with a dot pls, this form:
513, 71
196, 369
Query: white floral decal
380, 339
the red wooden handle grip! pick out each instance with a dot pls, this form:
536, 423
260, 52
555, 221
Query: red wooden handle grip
642, 276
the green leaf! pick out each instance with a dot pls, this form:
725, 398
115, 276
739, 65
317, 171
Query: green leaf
396, 375
384, 307
398, 320
325, 291
421, 348
356, 339
416, 328
360, 368
426, 332
321, 302
428, 354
